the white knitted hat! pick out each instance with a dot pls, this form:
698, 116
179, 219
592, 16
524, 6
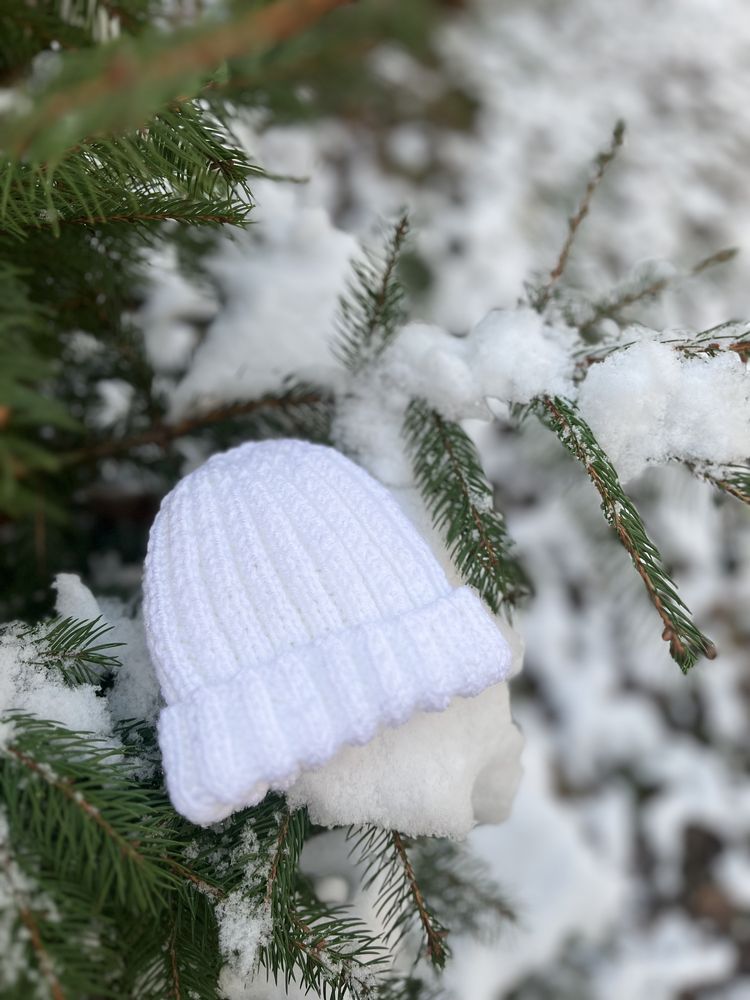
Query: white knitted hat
292, 608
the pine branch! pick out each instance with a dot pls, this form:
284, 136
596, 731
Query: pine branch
16, 895
69, 796
326, 949
181, 167
732, 336
733, 480
176, 956
576, 220
71, 647
461, 887
372, 311
400, 902
119, 87
613, 306
411, 987
296, 402
57, 938
450, 477
686, 642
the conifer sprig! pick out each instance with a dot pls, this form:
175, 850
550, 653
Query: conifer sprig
614, 305
457, 494
180, 167
401, 903
324, 949
734, 480
601, 165
72, 646
372, 310
73, 802
686, 642
462, 890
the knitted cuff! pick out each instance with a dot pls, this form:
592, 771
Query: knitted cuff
226, 745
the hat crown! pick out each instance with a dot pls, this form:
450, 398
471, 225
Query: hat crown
270, 546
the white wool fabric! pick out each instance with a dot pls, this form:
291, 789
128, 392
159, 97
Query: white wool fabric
292, 609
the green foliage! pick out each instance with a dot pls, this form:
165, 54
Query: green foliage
372, 311
456, 492
79, 807
686, 642
401, 904
733, 480
324, 949
179, 168
120, 86
463, 892
71, 646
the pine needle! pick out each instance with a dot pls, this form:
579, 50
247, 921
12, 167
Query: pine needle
686, 642
454, 487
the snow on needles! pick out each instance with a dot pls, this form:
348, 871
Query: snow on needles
649, 404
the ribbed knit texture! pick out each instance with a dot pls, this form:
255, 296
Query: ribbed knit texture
292, 608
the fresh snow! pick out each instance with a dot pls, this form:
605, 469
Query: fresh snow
649, 404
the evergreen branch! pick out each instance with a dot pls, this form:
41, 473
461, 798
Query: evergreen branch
733, 480
410, 987
450, 477
71, 646
176, 955
686, 641
603, 160
461, 886
178, 168
326, 948
296, 398
617, 302
372, 311
731, 336
400, 901
65, 940
29, 922
79, 806
121, 86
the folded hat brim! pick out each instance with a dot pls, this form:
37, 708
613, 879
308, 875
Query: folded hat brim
226, 745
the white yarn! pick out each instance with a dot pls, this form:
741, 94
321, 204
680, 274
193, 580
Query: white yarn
291, 609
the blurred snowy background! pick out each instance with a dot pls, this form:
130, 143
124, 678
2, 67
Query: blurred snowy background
628, 852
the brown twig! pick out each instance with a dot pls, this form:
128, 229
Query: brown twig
433, 936
612, 309
274, 869
611, 508
174, 967
163, 434
575, 221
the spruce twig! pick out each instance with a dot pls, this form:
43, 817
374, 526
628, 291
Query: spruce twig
72, 646
731, 336
301, 399
733, 480
450, 477
80, 805
616, 303
29, 922
372, 311
326, 948
603, 160
400, 901
686, 641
